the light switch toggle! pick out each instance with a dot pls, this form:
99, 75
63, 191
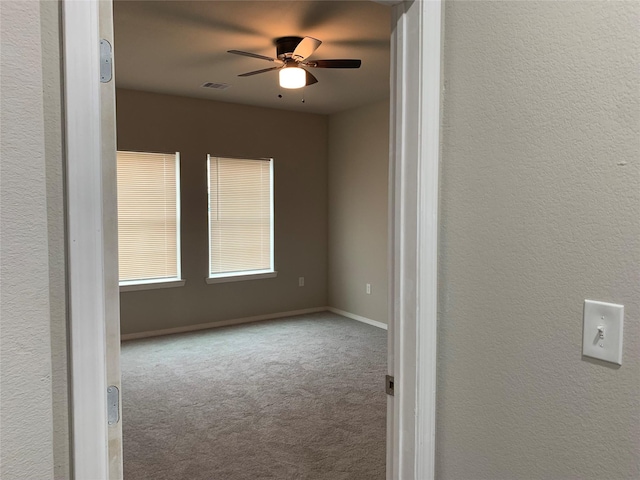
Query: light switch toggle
601, 332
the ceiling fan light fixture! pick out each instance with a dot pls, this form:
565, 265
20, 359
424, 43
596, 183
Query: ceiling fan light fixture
293, 77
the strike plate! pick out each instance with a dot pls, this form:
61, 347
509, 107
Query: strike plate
105, 61
389, 385
113, 405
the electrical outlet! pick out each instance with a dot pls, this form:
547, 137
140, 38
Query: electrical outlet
368, 289
301, 281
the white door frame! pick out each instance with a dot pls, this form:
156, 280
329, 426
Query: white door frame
416, 51
415, 152
85, 240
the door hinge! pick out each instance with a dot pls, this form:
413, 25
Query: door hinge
389, 385
105, 61
113, 405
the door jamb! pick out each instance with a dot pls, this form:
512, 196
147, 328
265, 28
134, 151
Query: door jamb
85, 240
414, 187
415, 154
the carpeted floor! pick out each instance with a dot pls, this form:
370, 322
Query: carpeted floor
296, 398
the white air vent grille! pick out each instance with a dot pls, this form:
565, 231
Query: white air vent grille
216, 86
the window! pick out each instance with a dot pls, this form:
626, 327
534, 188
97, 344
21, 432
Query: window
240, 219
148, 220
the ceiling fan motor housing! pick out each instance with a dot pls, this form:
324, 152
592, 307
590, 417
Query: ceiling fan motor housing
286, 45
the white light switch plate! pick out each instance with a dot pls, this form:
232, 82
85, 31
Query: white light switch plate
605, 345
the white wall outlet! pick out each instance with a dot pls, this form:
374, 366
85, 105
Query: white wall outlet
602, 331
301, 281
368, 289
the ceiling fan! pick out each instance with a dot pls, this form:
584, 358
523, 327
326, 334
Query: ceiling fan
292, 54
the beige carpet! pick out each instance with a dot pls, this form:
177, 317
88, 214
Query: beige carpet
297, 398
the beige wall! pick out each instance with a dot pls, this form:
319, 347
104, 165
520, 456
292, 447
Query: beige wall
540, 209
55, 170
296, 141
34, 403
358, 184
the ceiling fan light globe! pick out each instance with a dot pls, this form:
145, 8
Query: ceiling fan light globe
292, 77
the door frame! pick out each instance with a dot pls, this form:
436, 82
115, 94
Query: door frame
415, 146
86, 285
416, 53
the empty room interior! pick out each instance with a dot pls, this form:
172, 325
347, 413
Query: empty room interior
261, 210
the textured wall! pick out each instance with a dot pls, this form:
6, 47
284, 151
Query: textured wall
358, 184
540, 209
26, 363
52, 84
296, 141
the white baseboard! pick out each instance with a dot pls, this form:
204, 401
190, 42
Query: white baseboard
353, 316
255, 318
223, 323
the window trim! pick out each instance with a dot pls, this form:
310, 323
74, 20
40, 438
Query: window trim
165, 282
156, 283
239, 276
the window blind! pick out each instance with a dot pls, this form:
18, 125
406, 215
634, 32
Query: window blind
240, 215
148, 215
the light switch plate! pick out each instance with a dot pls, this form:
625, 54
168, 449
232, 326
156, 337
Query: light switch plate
602, 331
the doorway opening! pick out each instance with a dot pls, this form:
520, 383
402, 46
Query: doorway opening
324, 164
415, 119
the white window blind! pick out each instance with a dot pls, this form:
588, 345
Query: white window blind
240, 216
148, 216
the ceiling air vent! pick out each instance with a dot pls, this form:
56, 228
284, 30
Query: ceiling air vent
216, 86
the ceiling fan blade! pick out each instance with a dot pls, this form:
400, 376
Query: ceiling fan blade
310, 79
342, 63
256, 72
305, 48
255, 55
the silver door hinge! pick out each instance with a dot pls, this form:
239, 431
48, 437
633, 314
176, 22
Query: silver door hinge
389, 385
113, 405
105, 61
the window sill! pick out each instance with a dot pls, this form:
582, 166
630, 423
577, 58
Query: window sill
151, 285
240, 277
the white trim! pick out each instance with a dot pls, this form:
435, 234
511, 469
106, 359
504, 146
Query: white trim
132, 286
416, 85
353, 316
428, 190
394, 111
392, 436
272, 214
223, 323
178, 219
255, 318
209, 211
225, 277
85, 240
239, 277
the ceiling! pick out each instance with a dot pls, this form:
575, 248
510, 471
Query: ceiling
175, 47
